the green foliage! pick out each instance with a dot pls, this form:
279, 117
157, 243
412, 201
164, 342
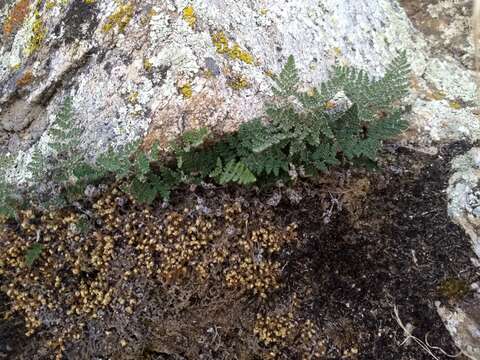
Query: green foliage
233, 171
287, 81
8, 197
33, 253
300, 130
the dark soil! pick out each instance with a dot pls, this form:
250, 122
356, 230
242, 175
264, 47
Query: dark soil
12, 338
370, 242
400, 251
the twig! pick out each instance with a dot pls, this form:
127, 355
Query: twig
424, 345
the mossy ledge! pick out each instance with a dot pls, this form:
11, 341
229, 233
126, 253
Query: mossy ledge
85, 254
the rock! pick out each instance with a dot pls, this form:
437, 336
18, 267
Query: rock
463, 322
464, 195
463, 319
149, 69
154, 69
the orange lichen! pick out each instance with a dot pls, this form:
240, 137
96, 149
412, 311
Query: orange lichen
25, 79
16, 17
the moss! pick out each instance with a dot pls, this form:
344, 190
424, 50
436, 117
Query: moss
190, 16
73, 272
38, 34
120, 18
454, 289
16, 17
234, 52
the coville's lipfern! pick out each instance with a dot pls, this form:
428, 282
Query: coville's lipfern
301, 130
298, 130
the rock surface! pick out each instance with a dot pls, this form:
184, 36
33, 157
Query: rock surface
154, 69
463, 319
143, 68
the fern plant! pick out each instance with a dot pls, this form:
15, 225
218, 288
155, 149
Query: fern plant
299, 131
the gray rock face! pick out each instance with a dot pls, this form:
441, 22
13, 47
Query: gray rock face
154, 69
463, 319
464, 195
463, 322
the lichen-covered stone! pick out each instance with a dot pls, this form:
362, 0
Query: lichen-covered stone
96, 52
464, 195
101, 52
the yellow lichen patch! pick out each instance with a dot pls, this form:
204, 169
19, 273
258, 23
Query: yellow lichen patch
234, 52
133, 97
239, 82
50, 4
15, 67
437, 95
16, 17
190, 16
147, 65
25, 79
89, 2
263, 12
337, 51
120, 18
186, 91
38, 34
455, 105
145, 19
269, 73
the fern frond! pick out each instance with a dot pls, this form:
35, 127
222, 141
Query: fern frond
194, 138
37, 165
257, 137
386, 128
325, 155
233, 171
33, 253
270, 162
288, 79
64, 134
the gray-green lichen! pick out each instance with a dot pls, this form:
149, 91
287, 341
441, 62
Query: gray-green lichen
118, 98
